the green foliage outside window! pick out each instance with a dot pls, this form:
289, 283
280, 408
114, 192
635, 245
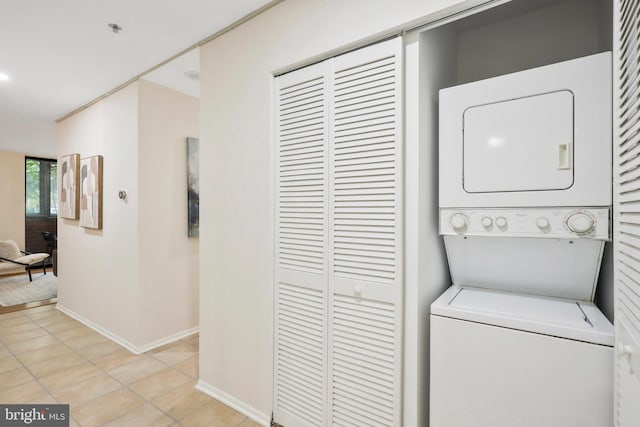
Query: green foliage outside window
41, 187
32, 170
53, 189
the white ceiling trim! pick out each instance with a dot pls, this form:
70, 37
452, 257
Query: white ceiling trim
177, 55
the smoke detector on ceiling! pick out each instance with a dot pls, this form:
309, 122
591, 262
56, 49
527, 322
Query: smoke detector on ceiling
115, 28
192, 74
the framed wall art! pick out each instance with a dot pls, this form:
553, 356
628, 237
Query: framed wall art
69, 186
91, 192
193, 186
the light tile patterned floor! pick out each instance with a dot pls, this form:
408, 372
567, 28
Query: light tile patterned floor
47, 357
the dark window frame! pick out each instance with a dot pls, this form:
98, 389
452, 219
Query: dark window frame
45, 187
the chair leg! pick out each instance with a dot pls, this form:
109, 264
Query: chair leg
29, 271
44, 268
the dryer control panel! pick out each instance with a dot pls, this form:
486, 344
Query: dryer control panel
563, 223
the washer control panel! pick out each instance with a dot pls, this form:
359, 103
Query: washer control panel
564, 223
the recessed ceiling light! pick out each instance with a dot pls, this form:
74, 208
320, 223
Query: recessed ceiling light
4, 77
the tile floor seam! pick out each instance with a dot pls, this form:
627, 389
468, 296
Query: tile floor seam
124, 385
35, 377
151, 403
133, 391
119, 415
188, 344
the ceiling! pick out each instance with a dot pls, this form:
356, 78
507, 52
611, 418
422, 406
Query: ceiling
61, 54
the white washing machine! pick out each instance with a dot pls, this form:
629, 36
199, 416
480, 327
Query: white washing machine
525, 199
516, 341
506, 360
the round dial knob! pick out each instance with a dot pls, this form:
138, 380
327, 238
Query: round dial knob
580, 222
542, 222
487, 222
458, 222
501, 222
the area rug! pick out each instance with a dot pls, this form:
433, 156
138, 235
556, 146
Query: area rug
18, 290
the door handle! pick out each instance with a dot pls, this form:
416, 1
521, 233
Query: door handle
564, 156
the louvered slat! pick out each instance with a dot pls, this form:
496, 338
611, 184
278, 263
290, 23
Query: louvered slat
364, 169
300, 323
627, 211
363, 362
339, 211
629, 160
300, 347
365, 280
301, 163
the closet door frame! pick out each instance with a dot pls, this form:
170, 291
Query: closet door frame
626, 210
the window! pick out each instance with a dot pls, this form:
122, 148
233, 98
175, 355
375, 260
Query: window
41, 187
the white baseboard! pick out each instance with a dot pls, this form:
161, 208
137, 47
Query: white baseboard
238, 405
135, 349
169, 339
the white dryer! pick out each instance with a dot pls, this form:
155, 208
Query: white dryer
540, 137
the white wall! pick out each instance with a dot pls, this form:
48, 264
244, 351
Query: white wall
136, 279
26, 135
12, 197
168, 275
237, 184
98, 269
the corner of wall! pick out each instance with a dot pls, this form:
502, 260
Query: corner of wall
168, 258
97, 269
12, 194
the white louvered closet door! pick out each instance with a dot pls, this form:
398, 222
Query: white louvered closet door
365, 237
338, 302
627, 212
300, 380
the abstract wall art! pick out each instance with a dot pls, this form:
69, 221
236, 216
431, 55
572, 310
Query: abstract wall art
193, 186
69, 186
91, 192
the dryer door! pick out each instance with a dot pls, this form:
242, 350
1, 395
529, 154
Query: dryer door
523, 144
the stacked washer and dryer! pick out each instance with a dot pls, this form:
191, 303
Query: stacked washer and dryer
525, 208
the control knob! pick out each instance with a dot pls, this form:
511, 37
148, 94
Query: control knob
501, 222
487, 221
458, 221
542, 223
580, 222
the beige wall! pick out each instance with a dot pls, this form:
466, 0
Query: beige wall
12, 197
134, 280
168, 258
237, 236
98, 269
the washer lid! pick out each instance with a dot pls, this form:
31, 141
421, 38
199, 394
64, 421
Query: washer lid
564, 318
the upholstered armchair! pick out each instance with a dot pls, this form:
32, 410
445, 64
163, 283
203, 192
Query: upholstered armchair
13, 260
